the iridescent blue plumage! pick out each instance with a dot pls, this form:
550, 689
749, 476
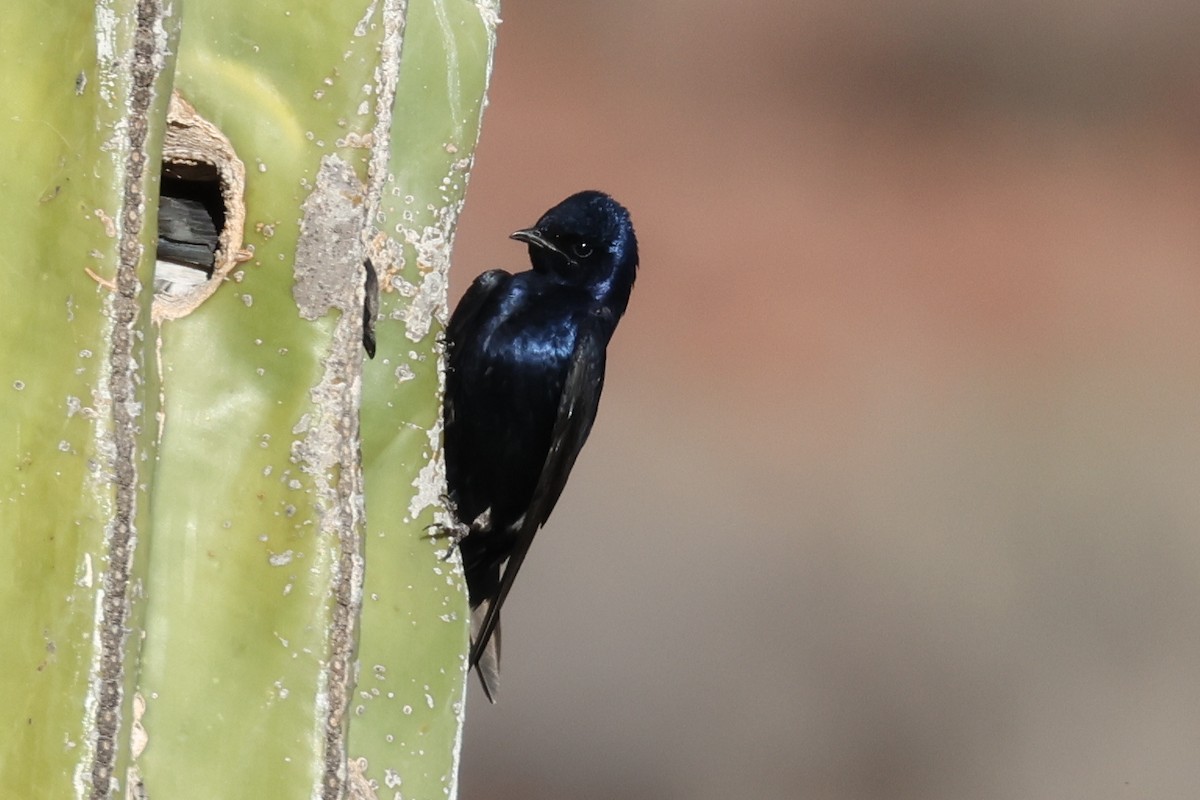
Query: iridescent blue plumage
525, 368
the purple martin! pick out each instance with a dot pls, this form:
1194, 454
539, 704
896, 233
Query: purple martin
524, 370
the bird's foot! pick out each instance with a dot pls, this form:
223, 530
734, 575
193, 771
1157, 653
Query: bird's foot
456, 531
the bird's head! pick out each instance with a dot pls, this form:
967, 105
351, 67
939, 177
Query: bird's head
586, 240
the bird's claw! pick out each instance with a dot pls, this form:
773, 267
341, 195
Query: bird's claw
455, 532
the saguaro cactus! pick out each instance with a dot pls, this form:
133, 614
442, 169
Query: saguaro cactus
213, 579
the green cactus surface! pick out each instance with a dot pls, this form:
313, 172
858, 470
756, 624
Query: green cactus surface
215, 579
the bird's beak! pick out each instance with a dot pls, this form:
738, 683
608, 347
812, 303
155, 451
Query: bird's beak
534, 237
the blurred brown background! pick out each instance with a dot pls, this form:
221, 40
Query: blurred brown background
895, 490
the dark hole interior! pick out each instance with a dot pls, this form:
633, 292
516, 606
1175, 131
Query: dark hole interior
191, 215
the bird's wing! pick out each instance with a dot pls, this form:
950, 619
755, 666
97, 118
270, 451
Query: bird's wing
576, 412
477, 296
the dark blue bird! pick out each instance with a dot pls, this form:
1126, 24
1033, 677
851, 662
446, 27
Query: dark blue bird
524, 371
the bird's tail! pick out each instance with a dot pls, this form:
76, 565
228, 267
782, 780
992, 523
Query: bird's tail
487, 665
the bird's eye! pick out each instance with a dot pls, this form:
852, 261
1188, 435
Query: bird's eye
581, 249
